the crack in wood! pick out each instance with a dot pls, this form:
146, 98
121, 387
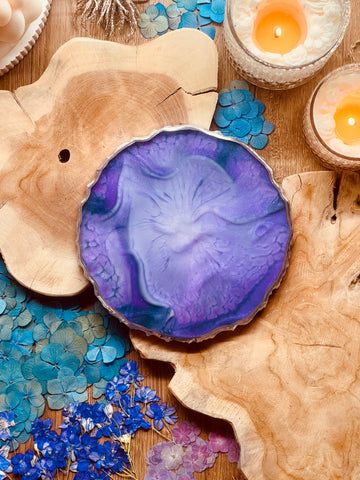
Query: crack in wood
355, 281
21, 107
210, 90
336, 190
329, 345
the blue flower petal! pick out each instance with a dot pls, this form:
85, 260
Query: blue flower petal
209, 30
188, 20
161, 9
204, 20
205, 10
261, 106
245, 139
3, 305
259, 141
219, 117
256, 126
189, 5
242, 108
241, 127
217, 17
239, 85
253, 112
218, 7
225, 99
268, 128
230, 113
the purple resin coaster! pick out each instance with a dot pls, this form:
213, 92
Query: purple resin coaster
184, 234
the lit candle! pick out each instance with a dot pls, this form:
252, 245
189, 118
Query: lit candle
332, 118
282, 43
279, 26
347, 118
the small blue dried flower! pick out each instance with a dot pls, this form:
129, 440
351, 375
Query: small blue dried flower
239, 114
154, 21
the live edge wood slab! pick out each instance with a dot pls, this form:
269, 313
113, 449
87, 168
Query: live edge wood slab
289, 381
56, 133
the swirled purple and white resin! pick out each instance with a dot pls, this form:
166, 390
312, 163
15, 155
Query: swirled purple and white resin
185, 234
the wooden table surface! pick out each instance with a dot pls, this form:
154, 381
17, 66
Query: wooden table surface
286, 152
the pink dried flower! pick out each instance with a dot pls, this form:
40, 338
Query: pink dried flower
158, 473
219, 443
172, 456
153, 456
182, 474
198, 456
185, 433
233, 452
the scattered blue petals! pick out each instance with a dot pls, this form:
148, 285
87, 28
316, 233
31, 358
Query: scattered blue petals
189, 5
238, 114
44, 350
198, 14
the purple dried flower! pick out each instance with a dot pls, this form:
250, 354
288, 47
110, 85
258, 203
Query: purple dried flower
153, 456
185, 433
219, 443
233, 452
182, 474
156, 473
198, 456
172, 456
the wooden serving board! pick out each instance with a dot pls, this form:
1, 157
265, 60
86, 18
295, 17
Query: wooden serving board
289, 382
56, 133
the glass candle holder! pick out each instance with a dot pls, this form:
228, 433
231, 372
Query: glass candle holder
331, 121
281, 44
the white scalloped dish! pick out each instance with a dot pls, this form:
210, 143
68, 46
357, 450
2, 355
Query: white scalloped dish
11, 53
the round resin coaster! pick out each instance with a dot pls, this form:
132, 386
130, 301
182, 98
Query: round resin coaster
20, 29
184, 234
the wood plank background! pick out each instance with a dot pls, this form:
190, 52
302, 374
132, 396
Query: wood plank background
286, 152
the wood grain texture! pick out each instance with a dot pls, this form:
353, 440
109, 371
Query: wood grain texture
93, 97
286, 152
289, 381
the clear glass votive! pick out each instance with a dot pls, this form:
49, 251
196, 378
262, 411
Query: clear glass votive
270, 69
331, 120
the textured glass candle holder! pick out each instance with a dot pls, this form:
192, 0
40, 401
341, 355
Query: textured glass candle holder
270, 75
327, 154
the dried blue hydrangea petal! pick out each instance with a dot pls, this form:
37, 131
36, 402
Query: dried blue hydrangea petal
189, 5
203, 20
267, 128
225, 99
188, 20
169, 255
261, 106
253, 111
239, 85
241, 126
259, 141
256, 125
209, 30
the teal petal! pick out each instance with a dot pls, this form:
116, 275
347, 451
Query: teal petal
259, 141
188, 20
108, 354
24, 318
239, 85
2, 306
